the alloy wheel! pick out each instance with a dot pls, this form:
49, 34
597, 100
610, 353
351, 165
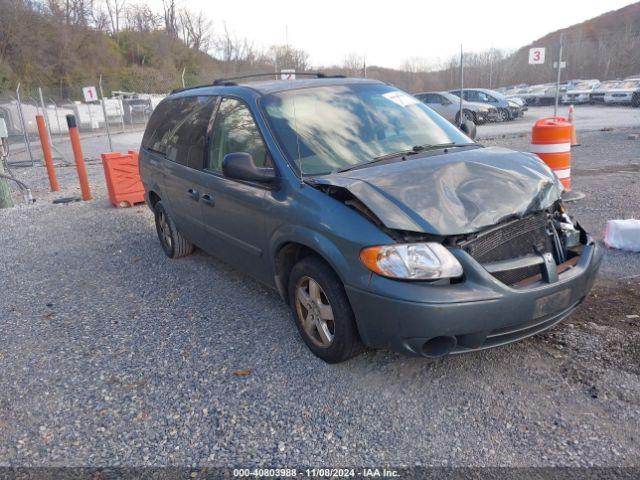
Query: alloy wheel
165, 231
314, 312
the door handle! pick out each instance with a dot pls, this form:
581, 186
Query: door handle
208, 200
193, 194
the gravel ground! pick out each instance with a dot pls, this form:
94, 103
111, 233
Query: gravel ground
113, 355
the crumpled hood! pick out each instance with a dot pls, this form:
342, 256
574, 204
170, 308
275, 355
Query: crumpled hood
453, 193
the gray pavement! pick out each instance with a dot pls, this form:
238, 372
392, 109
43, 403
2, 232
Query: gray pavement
112, 354
586, 118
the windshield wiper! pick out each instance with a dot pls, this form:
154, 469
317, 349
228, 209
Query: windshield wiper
404, 153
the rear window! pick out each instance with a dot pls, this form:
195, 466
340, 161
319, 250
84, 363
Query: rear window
178, 128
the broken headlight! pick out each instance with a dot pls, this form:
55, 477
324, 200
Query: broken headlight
411, 261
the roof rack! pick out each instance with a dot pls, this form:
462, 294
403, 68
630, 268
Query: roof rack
230, 80
182, 89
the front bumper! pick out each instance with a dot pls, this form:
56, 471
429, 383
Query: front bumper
516, 112
481, 312
618, 98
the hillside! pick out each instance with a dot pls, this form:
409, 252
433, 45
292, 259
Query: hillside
61, 48
604, 47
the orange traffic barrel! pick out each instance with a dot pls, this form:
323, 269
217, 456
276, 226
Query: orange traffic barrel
123, 178
551, 141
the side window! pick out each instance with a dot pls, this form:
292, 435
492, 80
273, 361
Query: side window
187, 140
235, 131
163, 119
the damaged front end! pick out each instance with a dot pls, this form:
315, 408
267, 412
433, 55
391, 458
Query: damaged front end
518, 252
522, 252
502, 208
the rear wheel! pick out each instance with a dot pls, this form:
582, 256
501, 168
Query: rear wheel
322, 312
173, 243
635, 100
466, 115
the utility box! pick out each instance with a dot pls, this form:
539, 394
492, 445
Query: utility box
123, 178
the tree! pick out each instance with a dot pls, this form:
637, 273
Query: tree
195, 29
170, 17
354, 64
140, 18
285, 56
115, 9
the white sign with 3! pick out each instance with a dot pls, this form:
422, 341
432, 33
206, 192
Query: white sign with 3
536, 56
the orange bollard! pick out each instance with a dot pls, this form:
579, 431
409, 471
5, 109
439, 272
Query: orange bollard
77, 154
574, 138
551, 141
46, 151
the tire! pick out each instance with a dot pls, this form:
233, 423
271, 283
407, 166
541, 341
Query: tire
172, 242
467, 115
340, 340
635, 100
503, 115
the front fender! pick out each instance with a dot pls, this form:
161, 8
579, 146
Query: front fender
314, 240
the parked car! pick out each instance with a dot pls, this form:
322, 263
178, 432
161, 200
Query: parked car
448, 105
517, 107
377, 220
623, 93
579, 91
597, 94
490, 97
540, 95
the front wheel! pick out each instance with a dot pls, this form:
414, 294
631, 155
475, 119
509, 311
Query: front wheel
503, 115
322, 312
635, 100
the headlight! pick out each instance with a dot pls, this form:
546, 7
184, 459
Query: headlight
411, 261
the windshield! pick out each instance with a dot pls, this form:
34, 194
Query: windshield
335, 127
583, 86
629, 84
450, 96
608, 85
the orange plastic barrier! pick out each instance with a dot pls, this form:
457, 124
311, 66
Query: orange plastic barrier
123, 178
551, 141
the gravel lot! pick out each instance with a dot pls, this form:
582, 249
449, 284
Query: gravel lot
113, 355
586, 118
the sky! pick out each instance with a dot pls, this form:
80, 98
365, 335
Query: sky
389, 32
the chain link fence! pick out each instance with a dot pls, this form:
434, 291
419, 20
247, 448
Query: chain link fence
105, 106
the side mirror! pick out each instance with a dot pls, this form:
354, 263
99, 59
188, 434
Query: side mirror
469, 129
241, 166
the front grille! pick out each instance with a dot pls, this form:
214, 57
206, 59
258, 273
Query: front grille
512, 240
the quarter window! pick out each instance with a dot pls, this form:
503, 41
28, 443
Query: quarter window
178, 128
186, 142
235, 131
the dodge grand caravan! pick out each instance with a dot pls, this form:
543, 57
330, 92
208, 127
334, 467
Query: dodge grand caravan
377, 221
